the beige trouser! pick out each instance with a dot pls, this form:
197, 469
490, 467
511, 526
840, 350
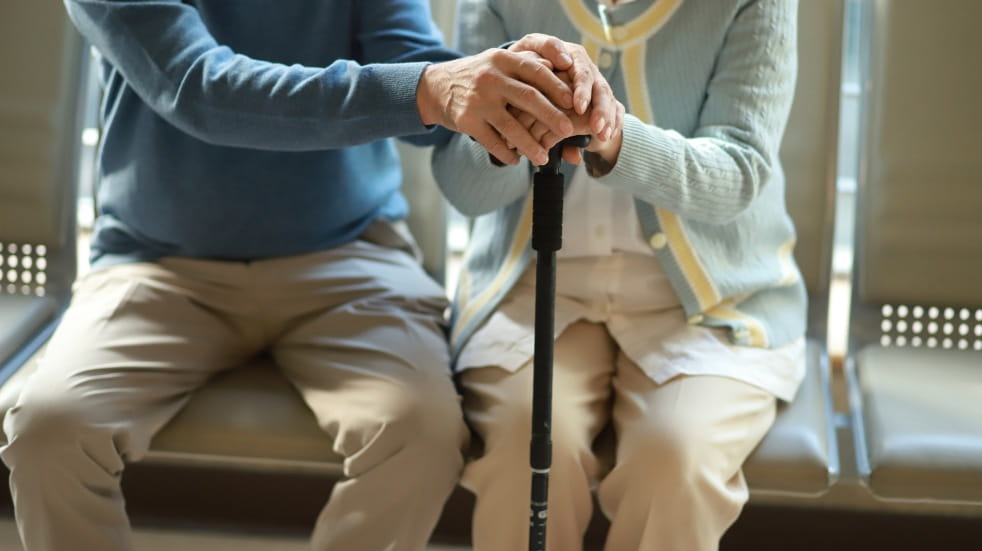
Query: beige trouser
358, 330
676, 483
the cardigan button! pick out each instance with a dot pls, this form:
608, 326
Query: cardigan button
605, 60
658, 241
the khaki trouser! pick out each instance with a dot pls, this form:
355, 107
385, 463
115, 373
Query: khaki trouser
358, 331
676, 482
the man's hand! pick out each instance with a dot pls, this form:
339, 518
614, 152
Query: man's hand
471, 95
590, 89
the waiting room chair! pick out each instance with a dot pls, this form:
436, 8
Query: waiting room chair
916, 338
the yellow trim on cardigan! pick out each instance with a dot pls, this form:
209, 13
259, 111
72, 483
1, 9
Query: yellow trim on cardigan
468, 309
785, 254
636, 31
635, 79
725, 311
695, 273
636, 82
592, 48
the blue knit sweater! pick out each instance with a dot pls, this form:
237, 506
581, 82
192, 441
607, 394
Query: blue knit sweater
251, 129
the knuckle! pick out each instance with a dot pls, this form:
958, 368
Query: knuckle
526, 64
535, 66
528, 94
489, 54
486, 79
498, 55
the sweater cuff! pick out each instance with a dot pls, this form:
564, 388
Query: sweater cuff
394, 86
470, 181
645, 150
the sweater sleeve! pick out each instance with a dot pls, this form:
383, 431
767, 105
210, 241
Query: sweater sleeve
715, 174
385, 34
462, 167
170, 59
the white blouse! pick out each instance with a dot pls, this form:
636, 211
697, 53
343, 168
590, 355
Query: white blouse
606, 273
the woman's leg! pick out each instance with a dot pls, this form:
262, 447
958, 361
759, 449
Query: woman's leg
677, 484
498, 403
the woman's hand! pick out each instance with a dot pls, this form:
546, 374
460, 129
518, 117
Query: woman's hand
592, 94
606, 143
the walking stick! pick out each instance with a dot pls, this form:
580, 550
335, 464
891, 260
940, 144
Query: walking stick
547, 238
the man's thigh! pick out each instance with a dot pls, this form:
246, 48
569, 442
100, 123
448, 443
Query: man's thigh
363, 339
135, 341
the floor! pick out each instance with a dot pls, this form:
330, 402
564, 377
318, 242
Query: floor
169, 540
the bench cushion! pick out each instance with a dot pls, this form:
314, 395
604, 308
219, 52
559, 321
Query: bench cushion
796, 456
922, 410
21, 317
250, 413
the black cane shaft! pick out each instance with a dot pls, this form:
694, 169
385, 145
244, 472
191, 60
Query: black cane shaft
547, 232
547, 238
545, 279
540, 449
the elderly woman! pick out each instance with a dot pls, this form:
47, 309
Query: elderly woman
680, 312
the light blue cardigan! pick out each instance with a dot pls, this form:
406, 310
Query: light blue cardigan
708, 85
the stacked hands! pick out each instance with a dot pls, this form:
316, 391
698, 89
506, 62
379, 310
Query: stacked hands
524, 100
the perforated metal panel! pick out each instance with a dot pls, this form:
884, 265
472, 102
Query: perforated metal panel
23, 269
931, 327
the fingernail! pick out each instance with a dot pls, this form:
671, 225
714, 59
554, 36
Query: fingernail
583, 105
565, 58
602, 123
